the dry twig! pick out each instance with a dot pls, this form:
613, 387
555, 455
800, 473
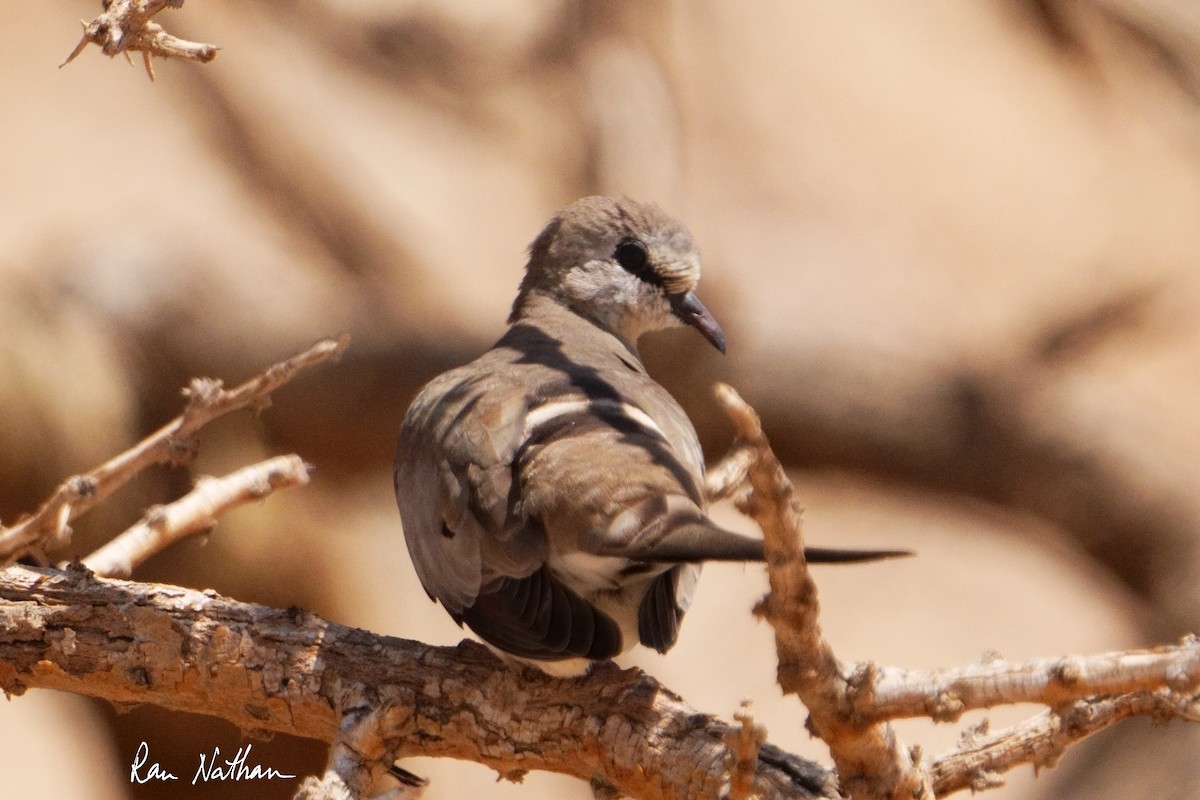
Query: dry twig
745, 742
871, 763
850, 706
978, 761
126, 25
172, 443
195, 512
944, 695
727, 478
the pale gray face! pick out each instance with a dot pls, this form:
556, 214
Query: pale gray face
626, 265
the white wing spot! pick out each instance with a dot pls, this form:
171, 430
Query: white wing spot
557, 408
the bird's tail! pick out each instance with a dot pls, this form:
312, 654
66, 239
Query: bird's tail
833, 555
696, 541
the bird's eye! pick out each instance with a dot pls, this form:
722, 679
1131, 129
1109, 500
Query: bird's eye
631, 254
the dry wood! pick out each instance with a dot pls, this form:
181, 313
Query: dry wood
944, 695
267, 669
978, 761
745, 740
871, 762
195, 512
172, 443
126, 25
376, 698
849, 705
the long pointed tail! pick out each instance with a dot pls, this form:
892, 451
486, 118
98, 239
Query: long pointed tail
829, 555
703, 541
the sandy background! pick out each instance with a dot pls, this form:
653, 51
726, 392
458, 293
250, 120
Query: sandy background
953, 246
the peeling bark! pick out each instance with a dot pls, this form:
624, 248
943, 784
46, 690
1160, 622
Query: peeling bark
267, 669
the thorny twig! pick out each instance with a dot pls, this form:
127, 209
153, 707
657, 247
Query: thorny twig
871, 762
850, 705
195, 512
172, 443
126, 25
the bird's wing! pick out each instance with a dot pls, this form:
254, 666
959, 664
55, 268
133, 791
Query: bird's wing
611, 484
454, 486
538, 616
473, 546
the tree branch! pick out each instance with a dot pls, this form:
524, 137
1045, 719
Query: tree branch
979, 759
871, 762
376, 698
195, 512
170, 444
944, 695
266, 669
849, 706
746, 740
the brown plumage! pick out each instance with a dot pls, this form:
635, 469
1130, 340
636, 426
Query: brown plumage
551, 491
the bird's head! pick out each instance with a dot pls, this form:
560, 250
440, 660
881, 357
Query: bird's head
625, 265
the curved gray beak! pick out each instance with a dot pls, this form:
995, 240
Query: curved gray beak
689, 309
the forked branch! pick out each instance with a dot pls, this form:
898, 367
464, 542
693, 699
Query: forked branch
850, 706
173, 443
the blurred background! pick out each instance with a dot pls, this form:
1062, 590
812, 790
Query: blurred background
953, 245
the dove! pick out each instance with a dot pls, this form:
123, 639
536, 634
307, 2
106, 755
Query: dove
551, 493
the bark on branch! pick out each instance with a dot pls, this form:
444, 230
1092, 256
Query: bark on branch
267, 669
871, 762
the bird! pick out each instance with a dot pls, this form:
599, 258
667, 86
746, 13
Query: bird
551, 493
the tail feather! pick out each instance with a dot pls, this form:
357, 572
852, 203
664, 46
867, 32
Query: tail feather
694, 542
833, 555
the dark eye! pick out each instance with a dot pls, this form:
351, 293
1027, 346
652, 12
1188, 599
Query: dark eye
631, 254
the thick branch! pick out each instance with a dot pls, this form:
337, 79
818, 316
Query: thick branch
170, 444
276, 670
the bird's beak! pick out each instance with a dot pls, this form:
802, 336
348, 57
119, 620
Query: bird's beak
689, 309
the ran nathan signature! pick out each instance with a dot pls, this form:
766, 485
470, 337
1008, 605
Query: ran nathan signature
211, 768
